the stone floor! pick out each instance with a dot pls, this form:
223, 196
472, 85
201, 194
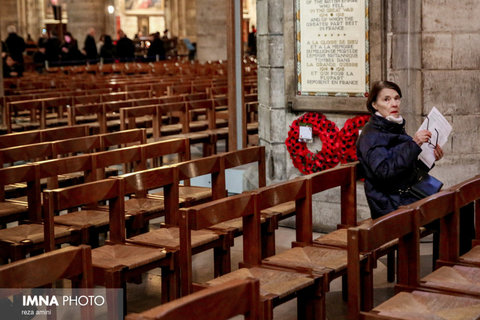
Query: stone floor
146, 295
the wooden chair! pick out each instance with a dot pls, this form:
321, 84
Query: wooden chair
116, 262
455, 278
422, 298
202, 240
18, 241
11, 210
128, 117
73, 263
89, 222
93, 114
466, 192
210, 303
276, 285
141, 208
308, 253
234, 227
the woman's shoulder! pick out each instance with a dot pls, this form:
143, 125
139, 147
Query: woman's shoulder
373, 136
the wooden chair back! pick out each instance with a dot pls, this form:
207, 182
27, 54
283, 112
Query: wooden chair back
85, 110
141, 182
467, 192
398, 224
144, 102
129, 157
57, 200
73, 263
213, 165
344, 177
29, 153
205, 215
21, 174
211, 303
204, 106
129, 115
35, 136
87, 99
170, 99
123, 138
245, 156
52, 169
152, 153
70, 147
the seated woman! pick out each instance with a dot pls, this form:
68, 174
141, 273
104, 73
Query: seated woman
388, 155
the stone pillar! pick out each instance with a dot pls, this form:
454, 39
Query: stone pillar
191, 21
83, 15
271, 86
404, 55
34, 23
8, 16
182, 21
211, 30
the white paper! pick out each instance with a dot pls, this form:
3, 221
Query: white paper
305, 133
435, 121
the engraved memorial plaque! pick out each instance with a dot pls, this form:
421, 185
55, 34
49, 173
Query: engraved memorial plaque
332, 47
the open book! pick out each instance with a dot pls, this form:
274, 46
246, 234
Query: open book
436, 123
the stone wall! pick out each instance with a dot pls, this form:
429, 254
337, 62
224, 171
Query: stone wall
211, 30
8, 16
451, 81
83, 15
430, 48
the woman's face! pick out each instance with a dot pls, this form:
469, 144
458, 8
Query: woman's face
388, 103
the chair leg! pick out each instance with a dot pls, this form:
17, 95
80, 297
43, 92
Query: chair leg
391, 266
311, 302
169, 288
345, 288
367, 289
222, 261
267, 310
113, 280
268, 240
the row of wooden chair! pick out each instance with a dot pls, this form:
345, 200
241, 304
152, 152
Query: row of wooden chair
310, 284
211, 211
75, 264
56, 83
38, 108
54, 77
451, 291
119, 250
24, 153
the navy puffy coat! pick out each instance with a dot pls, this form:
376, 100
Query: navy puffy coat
389, 159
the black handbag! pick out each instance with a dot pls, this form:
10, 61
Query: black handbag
425, 186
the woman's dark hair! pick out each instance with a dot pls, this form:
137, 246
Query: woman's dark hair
376, 88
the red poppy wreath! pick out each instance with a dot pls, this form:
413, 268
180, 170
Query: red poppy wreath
337, 145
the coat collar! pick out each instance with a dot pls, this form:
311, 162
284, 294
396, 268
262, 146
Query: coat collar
386, 125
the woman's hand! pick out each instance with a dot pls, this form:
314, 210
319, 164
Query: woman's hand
422, 136
438, 152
